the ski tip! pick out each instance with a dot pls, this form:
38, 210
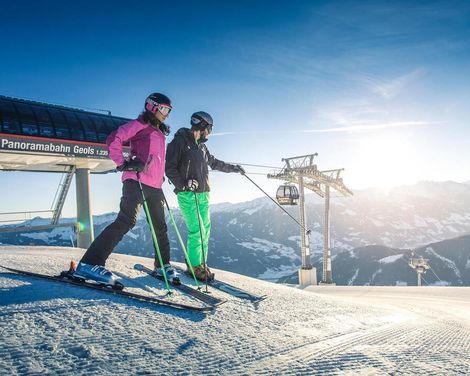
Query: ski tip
5, 267
261, 298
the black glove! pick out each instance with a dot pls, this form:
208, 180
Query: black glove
239, 169
133, 165
191, 185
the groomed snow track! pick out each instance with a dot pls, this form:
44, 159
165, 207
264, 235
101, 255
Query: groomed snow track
47, 328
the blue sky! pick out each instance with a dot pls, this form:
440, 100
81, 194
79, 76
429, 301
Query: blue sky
377, 88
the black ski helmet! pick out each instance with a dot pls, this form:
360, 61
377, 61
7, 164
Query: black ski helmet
202, 120
155, 99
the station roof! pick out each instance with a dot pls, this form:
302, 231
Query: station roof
38, 136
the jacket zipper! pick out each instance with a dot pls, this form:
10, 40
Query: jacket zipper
204, 182
147, 165
187, 169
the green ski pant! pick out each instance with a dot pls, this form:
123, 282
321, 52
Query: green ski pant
188, 209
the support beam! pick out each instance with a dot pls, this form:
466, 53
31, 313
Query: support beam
62, 190
327, 277
85, 233
303, 234
307, 273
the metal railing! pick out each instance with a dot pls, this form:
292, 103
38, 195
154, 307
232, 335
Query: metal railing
27, 215
10, 226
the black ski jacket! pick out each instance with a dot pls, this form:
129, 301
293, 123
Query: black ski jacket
185, 159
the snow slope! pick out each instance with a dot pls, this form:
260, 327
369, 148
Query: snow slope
52, 328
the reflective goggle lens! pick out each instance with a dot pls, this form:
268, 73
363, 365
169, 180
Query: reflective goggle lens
164, 109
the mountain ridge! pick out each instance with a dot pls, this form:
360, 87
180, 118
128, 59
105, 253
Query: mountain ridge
255, 238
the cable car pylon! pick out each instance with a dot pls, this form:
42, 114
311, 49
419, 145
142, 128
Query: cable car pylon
303, 171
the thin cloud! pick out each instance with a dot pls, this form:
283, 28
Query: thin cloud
238, 133
351, 128
391, 88
368, 127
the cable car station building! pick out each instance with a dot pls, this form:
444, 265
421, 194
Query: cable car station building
44, 137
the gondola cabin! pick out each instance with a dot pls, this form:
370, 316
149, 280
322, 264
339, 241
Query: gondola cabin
287, 194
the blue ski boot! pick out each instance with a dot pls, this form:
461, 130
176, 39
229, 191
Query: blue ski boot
171, 273
96, 273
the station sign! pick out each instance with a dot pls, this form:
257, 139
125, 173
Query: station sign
68, 148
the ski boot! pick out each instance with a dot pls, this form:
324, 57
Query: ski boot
171, 274
95, 273
210, 274
203, 273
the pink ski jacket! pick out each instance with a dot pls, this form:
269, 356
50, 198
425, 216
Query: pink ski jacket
147, 144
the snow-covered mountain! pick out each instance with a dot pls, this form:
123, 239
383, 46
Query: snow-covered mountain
385, 266
50, 328
375, 265
256, 238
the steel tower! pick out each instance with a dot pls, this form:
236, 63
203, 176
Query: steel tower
303, 171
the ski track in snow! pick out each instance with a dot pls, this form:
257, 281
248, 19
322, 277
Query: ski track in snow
55, 329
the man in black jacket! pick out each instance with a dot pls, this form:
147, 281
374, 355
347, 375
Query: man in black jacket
187, 161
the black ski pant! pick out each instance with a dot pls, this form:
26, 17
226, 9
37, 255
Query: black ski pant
131, 202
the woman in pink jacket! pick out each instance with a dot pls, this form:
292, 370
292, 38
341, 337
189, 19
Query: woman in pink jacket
146, 136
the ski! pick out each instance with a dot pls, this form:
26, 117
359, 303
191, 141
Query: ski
230, 289
67, 279
236, 291
185, 289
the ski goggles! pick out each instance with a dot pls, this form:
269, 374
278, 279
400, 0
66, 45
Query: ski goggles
202, 124
153, 107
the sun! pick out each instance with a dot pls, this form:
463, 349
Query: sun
384, 160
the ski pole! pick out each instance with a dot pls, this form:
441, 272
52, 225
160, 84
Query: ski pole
182, 244
154, 236
285, 211
202, 240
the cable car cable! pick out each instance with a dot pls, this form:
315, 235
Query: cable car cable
285, 211
256, 165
